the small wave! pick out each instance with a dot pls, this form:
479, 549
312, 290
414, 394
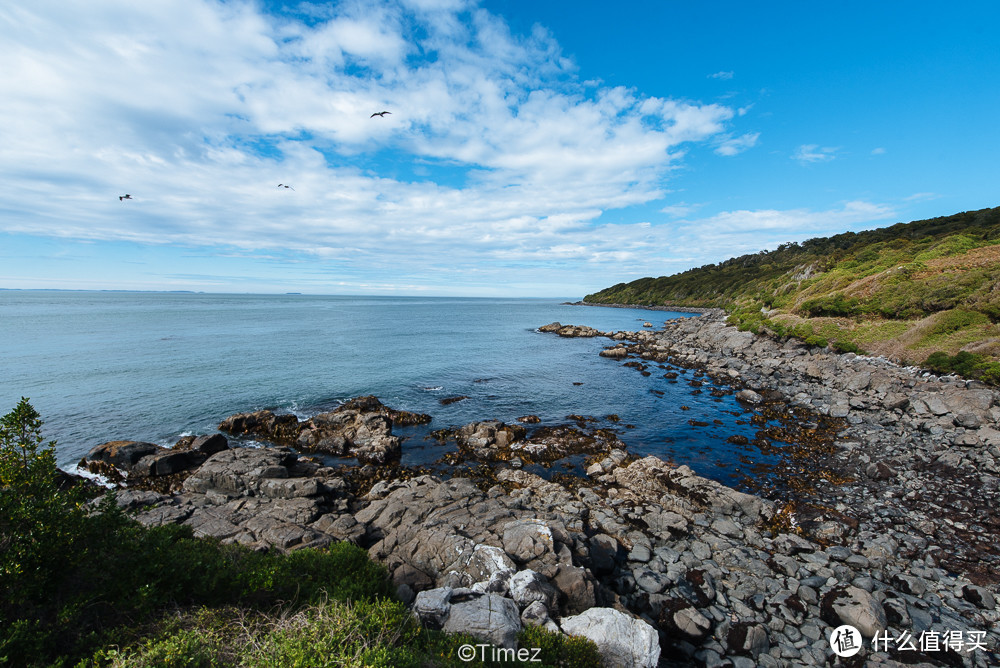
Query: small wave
435, 388
89, 475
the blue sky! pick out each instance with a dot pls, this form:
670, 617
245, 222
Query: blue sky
532, 149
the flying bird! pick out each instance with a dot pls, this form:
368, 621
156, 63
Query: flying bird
380, 113
125, 196
282, 185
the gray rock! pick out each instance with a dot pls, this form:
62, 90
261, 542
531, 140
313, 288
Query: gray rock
622, 640
604, 552
432, 606
750, 397
577, 588
525, 540
490, 617
691, 622
854, 606
122, 455
527, 587
979, 596
968, 420
748, 639
536, 614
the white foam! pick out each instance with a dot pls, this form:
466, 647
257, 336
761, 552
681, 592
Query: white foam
89, 475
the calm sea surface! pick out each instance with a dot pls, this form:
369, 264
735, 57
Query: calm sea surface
101, 366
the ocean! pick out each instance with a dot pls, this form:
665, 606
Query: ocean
153, 366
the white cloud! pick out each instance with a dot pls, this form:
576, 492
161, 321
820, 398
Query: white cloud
721, 75
733, 233
810, 153
680, 210
729, 145
878, 151
494, 149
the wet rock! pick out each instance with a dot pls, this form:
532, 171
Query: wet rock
264, 423
122, 455
750, 397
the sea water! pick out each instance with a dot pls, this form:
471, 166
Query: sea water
153, 366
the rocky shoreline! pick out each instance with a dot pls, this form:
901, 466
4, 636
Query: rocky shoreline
888, 526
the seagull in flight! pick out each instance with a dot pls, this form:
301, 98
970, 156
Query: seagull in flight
125, 196
380, 113
282, 185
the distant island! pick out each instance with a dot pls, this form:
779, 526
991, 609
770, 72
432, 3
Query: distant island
922, 293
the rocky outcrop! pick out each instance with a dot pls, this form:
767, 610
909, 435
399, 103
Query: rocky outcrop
571, 331
259, 497
361, 427
120, 459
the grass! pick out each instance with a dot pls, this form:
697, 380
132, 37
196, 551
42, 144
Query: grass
380, 634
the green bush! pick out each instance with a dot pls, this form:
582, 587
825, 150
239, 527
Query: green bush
966, 364
74, 575
846, 347
560, 650
988, 372
818, 341
833, 305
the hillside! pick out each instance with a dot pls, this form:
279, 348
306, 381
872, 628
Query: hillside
906, 291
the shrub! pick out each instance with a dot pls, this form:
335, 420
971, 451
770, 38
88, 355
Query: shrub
835, 305
846, 347
74, 576
818, 341
964, 363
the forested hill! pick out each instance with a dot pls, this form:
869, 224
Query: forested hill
906, 291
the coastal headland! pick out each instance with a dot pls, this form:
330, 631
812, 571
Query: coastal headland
881, 514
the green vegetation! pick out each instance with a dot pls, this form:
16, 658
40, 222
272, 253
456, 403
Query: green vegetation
965, 364
81, 584
901, 291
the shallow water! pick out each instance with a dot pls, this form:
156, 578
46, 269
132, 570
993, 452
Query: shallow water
101, 366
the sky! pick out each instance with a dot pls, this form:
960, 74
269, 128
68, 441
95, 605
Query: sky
531, 149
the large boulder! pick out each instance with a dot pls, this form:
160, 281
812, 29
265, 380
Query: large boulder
121, 455
622, 640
